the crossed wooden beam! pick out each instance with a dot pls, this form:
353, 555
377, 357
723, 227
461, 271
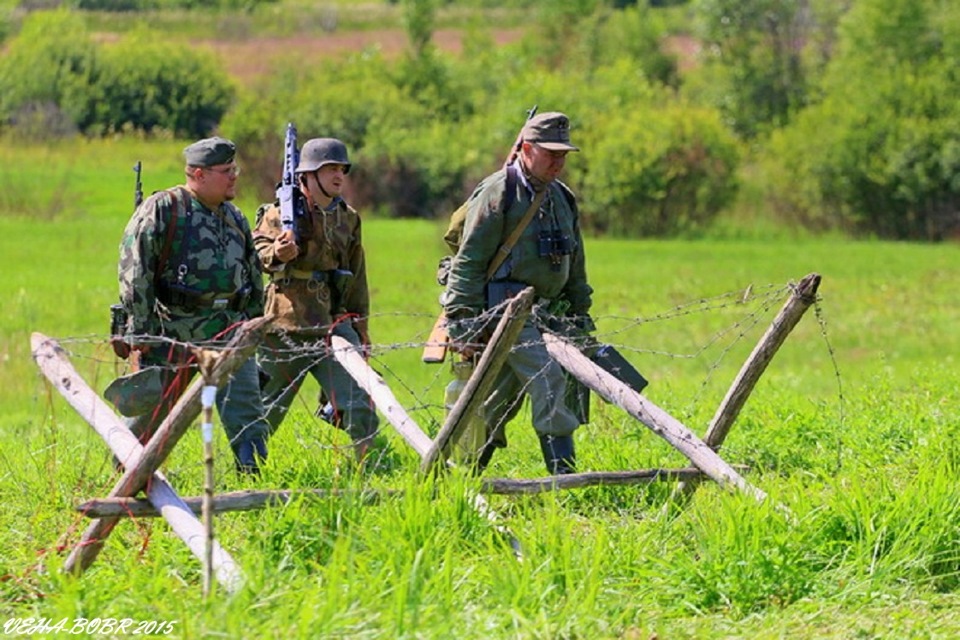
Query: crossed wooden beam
142, 462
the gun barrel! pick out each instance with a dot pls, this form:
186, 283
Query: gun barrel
138, 186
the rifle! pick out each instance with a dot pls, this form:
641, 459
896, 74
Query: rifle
138, 186
118, 315
288, 194
436, 348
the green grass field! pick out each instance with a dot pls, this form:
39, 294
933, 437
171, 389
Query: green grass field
853, 428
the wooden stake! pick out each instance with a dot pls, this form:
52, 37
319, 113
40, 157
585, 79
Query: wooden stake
53, 362
247, 500
371, 382
655, 418
181, 416
478, 387
800, 300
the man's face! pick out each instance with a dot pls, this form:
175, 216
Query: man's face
544, 164
332, 177
220, 181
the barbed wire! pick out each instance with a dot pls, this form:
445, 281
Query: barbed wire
420, 390
419, 387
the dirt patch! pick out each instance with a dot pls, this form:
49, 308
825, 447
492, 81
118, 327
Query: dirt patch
251, 59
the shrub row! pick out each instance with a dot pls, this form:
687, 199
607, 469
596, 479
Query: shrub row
55, 78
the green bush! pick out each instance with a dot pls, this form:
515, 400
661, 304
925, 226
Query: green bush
658, 171
150, 85
48, 76
880, 154
55, 79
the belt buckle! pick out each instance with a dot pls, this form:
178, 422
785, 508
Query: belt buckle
219, 304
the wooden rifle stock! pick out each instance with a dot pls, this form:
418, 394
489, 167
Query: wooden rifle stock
436, 347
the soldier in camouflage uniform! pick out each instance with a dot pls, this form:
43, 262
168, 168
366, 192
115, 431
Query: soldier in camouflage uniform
549, 257
189, 274
318, 287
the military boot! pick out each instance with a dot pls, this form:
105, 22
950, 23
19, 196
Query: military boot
558, 454
484, 458
249, 455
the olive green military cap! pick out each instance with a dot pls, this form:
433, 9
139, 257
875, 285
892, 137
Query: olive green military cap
210, 152
550, 130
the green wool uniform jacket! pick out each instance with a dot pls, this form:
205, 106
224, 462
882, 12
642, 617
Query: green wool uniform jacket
488, 225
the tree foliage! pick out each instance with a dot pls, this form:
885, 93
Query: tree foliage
48, 75
56, 79
754, 56
880, 154
161, 85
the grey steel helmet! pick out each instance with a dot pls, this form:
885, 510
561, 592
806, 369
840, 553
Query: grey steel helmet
320, 151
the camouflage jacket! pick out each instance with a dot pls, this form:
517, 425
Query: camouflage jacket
560, 277
210, 280
304, 294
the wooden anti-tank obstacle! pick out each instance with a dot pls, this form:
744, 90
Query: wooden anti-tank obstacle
702, 453
142, 462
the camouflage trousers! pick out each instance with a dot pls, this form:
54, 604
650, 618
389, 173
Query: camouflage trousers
287, 358
238, 402
529, 371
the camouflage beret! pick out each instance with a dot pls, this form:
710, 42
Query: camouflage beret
550, 130
210, 152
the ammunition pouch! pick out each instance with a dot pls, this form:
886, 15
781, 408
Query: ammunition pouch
337, 280
191, 299
118, 326
118, 320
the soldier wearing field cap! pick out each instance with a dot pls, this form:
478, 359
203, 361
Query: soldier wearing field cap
548, 256
317, 288
189, 274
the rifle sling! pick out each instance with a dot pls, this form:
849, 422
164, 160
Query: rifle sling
511, 240
184, 197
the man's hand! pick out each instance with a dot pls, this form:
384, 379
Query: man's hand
360, 326
120, 347
123, 349
468, 336
285, 247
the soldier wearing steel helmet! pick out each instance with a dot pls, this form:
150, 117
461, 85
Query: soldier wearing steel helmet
317, 287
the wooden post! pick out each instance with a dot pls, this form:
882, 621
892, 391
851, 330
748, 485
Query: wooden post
181, 416
484, 375
246, 500
371, 382
655, 418
53, 362
512, 486
793, 309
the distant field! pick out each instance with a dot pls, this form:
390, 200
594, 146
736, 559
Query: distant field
853, 429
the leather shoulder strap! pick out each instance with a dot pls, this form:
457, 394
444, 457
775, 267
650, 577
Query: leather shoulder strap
511, 240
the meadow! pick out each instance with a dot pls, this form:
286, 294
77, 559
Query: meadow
853, 428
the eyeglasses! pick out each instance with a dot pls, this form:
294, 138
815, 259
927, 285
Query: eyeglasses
231, 172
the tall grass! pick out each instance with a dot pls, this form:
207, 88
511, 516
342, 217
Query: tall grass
852, 432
